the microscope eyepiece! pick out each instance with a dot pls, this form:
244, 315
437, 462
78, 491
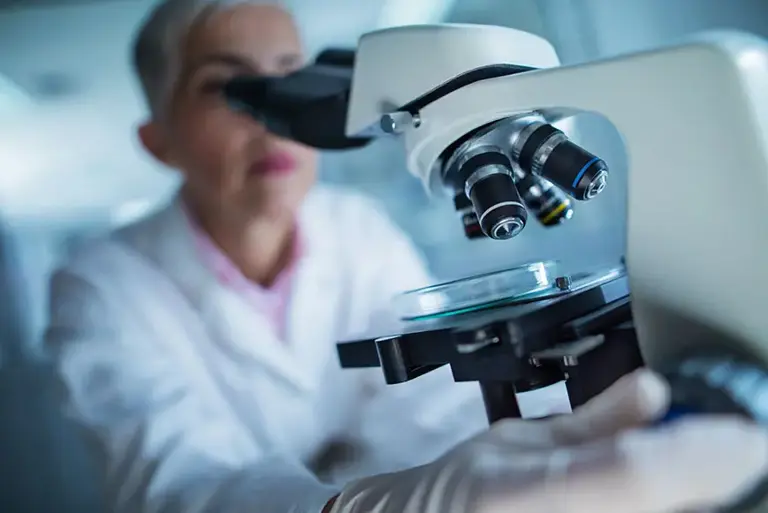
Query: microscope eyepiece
543, 150
489, 184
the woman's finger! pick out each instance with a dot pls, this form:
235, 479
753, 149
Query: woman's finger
634, 400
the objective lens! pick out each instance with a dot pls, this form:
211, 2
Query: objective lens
499, 207
490, 187
542, 149
548, 203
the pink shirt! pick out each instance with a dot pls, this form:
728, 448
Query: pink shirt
272, 302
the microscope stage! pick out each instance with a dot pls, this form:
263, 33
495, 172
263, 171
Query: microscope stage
515, 286
520, 327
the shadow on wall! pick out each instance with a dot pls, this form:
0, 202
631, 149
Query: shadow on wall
594, 237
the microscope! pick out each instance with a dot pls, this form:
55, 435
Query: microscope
478, 111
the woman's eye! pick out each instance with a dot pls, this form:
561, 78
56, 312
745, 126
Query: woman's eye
213, 86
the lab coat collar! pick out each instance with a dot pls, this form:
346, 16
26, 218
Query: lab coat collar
232, 324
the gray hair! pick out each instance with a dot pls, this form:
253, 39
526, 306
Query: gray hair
159, 40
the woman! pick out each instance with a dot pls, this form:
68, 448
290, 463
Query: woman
198, 345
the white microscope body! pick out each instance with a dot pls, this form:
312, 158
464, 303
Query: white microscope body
694, 119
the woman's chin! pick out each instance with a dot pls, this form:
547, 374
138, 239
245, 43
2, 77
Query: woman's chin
274, 197
277, 205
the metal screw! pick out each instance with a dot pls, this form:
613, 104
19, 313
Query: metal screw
482, 339
563, 282
570, 361
398, 122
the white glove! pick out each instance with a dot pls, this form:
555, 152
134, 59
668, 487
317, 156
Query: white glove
597, 460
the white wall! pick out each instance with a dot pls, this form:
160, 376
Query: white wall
623, 26
75, 155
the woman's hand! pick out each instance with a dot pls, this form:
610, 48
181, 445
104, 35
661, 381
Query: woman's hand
603, 458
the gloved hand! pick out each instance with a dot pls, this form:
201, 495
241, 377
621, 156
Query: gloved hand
599, 459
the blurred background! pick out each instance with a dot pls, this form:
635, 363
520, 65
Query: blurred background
70, 168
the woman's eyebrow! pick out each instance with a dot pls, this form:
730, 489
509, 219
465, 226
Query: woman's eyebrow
233, 60
227, 59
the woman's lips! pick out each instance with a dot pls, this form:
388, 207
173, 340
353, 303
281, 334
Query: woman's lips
275, 164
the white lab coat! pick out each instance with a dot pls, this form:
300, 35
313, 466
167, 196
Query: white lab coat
197, 406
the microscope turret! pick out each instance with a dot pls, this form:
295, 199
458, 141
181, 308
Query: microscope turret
517, 164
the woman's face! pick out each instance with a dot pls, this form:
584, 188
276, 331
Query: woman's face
230, 162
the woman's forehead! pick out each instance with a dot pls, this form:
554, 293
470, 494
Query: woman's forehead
255, 30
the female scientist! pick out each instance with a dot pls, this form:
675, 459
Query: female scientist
197, 346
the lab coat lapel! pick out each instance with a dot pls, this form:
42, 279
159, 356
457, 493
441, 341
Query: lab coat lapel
250, 338
231, 323
316, 308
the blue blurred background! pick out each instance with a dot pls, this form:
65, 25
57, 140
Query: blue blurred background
70, 168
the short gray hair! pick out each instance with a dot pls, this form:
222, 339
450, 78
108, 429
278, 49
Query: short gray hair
158, 43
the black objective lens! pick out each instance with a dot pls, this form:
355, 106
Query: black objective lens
547, 152
498, 206
484, 176
548, 203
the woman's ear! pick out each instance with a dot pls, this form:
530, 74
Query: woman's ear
153, 140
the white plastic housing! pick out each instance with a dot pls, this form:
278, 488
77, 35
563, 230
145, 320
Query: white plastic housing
397, 65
